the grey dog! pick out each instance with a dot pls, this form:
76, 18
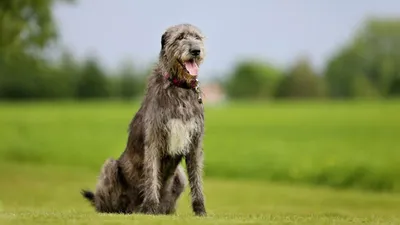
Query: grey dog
167, 129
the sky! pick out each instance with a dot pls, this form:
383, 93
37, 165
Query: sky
275, 31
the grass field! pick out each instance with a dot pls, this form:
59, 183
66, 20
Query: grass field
48, 151
49, 195
352, 144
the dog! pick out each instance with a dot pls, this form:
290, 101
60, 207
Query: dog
167, 129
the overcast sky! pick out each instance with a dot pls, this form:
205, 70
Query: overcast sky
275, 30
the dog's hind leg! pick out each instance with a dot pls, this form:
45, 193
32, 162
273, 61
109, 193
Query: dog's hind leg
172, 191
107, 197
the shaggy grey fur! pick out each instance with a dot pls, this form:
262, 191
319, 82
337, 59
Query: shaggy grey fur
168, 127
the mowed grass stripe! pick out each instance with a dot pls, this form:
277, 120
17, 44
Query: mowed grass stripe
340, 144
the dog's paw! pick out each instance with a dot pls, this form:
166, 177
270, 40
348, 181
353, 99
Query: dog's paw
199, 209
201, 213
150, 208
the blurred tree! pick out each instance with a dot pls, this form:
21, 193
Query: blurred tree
131, 83
18, 81
394, 89
26, 25
67, 73
26, 28
252, 79
300, 82
370, 61
26, 78
340, 72
93, 82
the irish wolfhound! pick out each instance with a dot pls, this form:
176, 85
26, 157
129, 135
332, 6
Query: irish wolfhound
169, 126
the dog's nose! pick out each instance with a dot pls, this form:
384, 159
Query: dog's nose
195, 51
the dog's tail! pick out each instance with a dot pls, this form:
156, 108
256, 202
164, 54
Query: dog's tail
88, 195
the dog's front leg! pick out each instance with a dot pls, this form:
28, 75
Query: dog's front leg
194, 164
151, 184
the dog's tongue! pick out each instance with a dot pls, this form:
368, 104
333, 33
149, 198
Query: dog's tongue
192, 68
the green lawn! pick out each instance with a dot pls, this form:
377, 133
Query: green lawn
336, 163
353, 144
49, 195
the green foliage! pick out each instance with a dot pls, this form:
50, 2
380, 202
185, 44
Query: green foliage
343, 145
300, 82
26, 25
34, 80
131, 83
66, 79
369, 65
27, 28
68, 72
394, 89
366, 67
252, 79
92, 82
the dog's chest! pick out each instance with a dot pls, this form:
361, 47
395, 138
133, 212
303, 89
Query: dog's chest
180, 135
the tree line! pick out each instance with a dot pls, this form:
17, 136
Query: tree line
367, 66
67, 78
27, 31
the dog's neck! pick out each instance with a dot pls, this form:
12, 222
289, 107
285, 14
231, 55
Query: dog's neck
181, 83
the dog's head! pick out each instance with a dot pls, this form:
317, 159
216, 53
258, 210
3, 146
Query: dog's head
182, 50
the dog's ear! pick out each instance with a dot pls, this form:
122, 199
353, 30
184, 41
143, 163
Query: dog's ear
164, 38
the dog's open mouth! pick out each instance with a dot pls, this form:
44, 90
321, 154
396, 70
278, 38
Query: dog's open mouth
191, 67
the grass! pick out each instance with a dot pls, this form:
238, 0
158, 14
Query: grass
49, 151
49, 195
338, 144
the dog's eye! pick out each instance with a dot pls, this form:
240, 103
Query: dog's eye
197, 37
181, 36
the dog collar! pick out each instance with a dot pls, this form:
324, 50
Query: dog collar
194, 85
